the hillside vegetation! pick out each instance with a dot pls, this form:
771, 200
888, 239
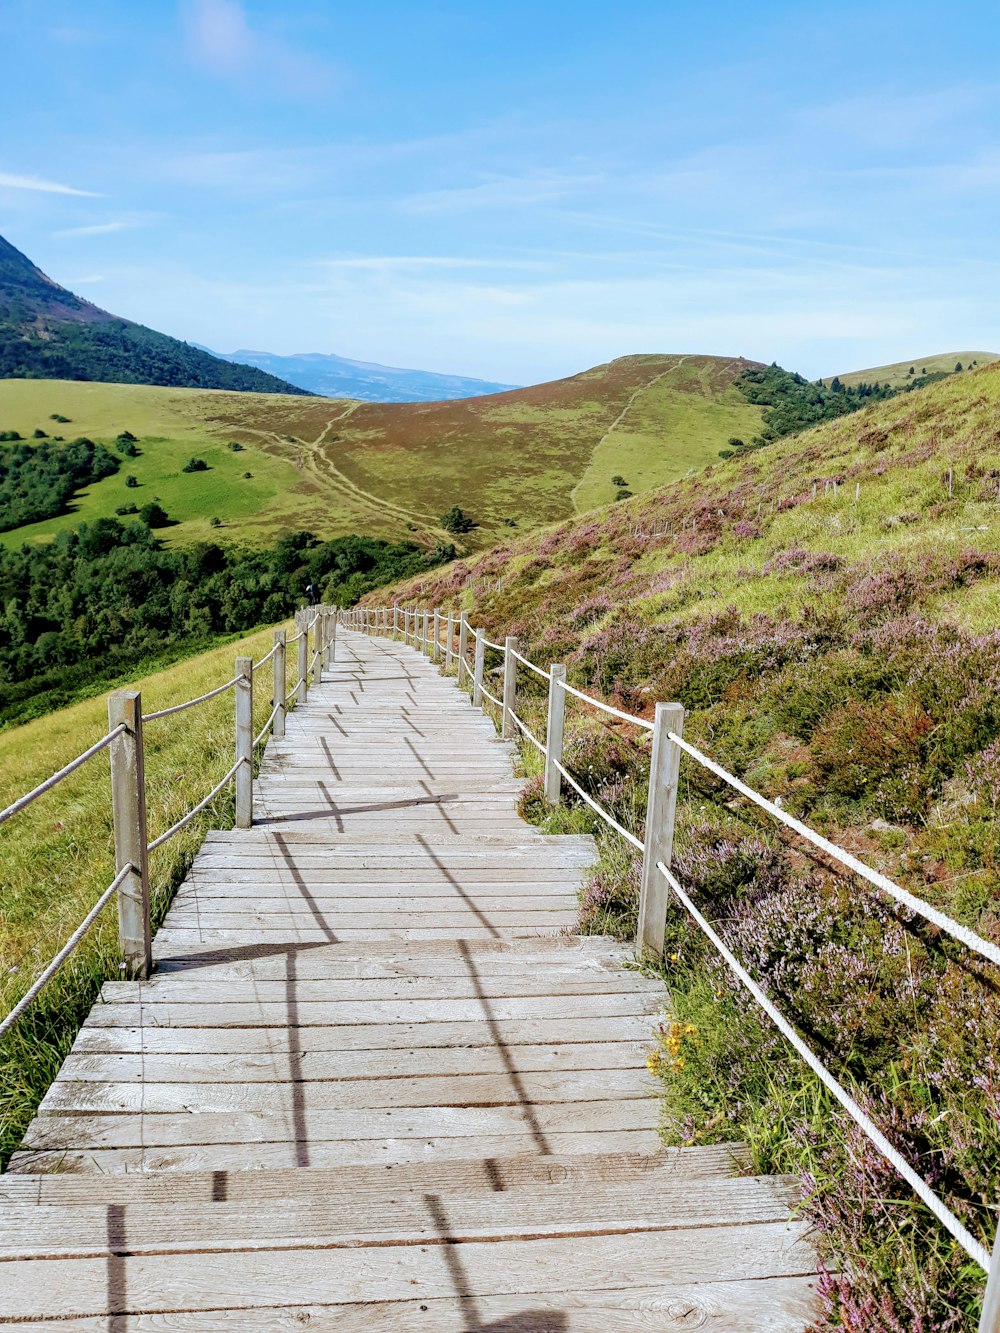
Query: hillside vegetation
47, 332
392, 469
897, 374
826, 610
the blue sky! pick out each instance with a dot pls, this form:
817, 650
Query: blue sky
512, 190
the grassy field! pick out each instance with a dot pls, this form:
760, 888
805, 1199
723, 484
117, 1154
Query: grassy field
898, 373
391, 470
837, 649
58, 855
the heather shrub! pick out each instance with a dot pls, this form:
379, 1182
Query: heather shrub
609, 901
875, 753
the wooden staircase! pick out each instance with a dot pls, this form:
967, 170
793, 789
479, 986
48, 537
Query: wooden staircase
375, 1083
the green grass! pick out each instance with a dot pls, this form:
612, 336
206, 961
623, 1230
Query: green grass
898, 374
390, 470
58, 855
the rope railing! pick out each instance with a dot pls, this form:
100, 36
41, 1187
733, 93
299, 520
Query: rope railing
196, 809
658, 881
190, 703
958, 932
605, 708
919, 1186
126, 743
54, 779
56, 963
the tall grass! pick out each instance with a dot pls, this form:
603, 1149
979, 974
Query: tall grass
58, 855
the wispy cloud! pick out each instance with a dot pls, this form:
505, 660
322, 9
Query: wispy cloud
10, 181
95, 229
221, 40
393, 263
502, 192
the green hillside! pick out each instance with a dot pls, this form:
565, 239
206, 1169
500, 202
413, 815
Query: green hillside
826, 610
390, 469
898, 373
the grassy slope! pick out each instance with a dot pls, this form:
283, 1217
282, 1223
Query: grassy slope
843, 656
393, 469
58, 855
897, 374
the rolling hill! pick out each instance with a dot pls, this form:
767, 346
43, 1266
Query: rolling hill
525, 457
339, 377
898, 373
47, 332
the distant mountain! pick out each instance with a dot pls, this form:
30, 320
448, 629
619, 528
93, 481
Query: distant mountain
47, 332
339, 377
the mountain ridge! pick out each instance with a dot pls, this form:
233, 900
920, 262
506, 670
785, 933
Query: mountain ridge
48, 332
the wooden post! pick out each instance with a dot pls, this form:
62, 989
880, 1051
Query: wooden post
128, 806
332, 650
463, 643
554, 733
317, 657
661, 803
395, 623
477, 671
425, 644
436, 643
280, 684
244, 742
302, 685
989, 1319
449, 643
509, 686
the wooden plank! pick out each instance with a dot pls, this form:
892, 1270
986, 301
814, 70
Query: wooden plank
773, 1305
243, 1280
397, 1216
193, 988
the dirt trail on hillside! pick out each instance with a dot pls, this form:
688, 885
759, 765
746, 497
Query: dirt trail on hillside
642, 388
312, 459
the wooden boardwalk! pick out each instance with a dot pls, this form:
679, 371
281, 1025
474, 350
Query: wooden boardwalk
374, 1084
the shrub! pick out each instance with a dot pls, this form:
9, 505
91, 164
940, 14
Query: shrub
56, 417
154, 515
131, 481
456, 521
215, 522
195, 465
236, 447
623, 493
618, 480
39, 434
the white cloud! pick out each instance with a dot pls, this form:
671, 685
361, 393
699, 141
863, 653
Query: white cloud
95, 229
221, 40
13, 182
393, 263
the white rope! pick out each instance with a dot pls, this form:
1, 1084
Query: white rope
961, 933
944, 1215
23, 802
608, 819
267, 726
176, 828
530, 665
257, 665
463, 663
490, 644
605, 708
65, 951
293, 691
492, 697
190, 703
527, 731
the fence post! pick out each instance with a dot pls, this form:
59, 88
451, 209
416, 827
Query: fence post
425, 644
661, 803
395, 623
244, 742
989, 1319
449, 643
509, 685
463, 643
554, 733
332, 641
128, 805
318, 647
302, 685
436, 644
278, 702
477, 673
